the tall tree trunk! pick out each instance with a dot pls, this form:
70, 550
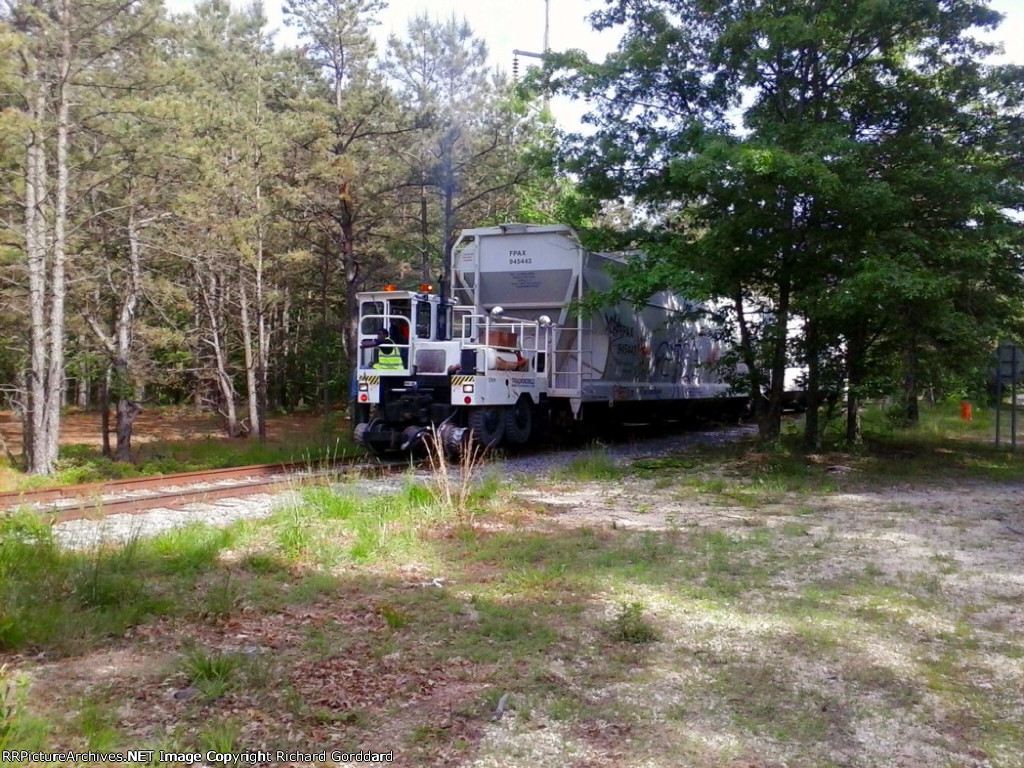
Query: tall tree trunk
36, 450
46, 260
105, 413
127, 411
127, 408
82, 390
215, 299
812, 428
855, 350
196, 350
119, 343
285, 367
247, 351
351, 334
448, 175
424, 235
749, 355
58, 290
82, 385
770, 425
262, 336
325, 357
911, 409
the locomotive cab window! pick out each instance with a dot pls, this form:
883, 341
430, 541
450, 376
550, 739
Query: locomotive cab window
465, 325
423, 319
399, 315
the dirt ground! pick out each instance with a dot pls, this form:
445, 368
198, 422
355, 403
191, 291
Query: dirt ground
895, 609
956, 548
156, 424
867, 625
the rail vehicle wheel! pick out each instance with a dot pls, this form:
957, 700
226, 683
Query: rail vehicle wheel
519, 422
487, 426
361, 433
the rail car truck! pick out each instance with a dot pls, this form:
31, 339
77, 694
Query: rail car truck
505, 353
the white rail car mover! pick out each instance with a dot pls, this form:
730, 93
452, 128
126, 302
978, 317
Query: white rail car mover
506, 355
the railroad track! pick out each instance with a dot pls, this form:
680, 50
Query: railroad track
132, 495
172, 491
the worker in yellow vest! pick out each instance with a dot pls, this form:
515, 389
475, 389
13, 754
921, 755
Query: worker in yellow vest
388, 356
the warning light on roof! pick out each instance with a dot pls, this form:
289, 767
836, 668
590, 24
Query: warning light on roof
426, 288
390, 288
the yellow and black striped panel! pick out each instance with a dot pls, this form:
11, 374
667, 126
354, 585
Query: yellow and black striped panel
370, 379
458, 381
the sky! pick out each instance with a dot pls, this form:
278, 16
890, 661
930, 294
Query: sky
507, 25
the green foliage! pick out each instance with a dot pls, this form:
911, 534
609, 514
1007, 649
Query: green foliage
18, 729
845, 164
211, 673
332, 528
630, 625
66, 600
458, 487
229, 194
474, 149
98, 722
594, 465
395, 617
221, 736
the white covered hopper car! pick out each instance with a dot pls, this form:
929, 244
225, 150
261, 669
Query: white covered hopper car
507, 355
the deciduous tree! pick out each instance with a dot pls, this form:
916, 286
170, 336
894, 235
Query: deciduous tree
789, 148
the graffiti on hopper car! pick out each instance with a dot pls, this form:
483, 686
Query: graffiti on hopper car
618, 330
677, 362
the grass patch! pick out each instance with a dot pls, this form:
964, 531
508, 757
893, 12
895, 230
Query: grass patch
222, 736
593, 465
65, 601
211, 673
302, 439
331, 529
942, 449
97, 721
19, 728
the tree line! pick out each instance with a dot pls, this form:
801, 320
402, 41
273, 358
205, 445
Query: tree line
187, 208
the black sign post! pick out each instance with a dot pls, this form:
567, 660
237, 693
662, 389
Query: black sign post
1008, 369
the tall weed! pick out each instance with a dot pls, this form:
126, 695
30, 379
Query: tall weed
18, 729
454, 483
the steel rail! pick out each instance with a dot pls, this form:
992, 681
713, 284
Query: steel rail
128, 484
177, 489
171, 499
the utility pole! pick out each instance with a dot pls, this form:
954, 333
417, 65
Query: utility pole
547, 26
542, 56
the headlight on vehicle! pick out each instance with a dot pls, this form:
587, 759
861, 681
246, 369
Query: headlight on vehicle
468, 389
364, 387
